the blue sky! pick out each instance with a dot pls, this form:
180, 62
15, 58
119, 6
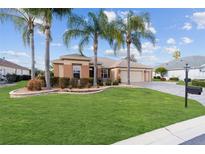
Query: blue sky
182, 29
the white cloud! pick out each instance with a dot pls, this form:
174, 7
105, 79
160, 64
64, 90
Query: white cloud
151, 28
74, 47
56, 44
187, 26
123, 52
186, 40
14, 53
171, 41
148, 47
199, 19
147, 59
111, 15
171, 50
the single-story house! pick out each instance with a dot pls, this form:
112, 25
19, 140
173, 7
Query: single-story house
79, 66
7, 67
176, 67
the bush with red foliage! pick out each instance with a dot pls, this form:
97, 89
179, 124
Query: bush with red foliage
34, 85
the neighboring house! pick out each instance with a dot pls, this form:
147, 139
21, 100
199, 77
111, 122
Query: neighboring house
78, 66
176, 67
7, 67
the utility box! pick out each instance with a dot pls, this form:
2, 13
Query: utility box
194, 90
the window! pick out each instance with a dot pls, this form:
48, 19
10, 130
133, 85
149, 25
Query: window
105, 73
76, 71
91, 72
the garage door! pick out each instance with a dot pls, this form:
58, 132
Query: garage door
135, 76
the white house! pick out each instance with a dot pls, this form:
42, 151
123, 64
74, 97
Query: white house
7, 67
176, 67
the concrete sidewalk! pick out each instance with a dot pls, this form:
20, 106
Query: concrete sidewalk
171, 135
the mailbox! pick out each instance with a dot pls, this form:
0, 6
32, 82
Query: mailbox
194, 90
188, 80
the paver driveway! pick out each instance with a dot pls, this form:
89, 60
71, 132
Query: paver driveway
172, 88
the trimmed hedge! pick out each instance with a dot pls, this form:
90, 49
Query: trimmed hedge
163, 79
157, 77
84, 82
108, 82
74, 83
100, 82
63, 82
174, 79
16, 78
198, 82
116, 82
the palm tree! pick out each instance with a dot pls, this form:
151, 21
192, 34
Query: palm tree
47, 17
24, 20
133, 28
92, 29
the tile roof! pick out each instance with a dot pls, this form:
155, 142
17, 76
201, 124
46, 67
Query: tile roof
6, 63
110, 63
193, 61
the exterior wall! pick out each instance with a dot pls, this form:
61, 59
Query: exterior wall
193, 74
115, 74
68, 71
56, 70
136, 75
8, 70
99, 72
85, 71
61, 71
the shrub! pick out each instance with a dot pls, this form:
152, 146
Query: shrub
100, 82
64, 82
174, 79
108, 82
157, 77
119, 80
12, 78
163, 79
34, 85
84, 82
26, 77
74, 83
116, 82
198, 82
91, 81
55, 81
42, 78
16, 78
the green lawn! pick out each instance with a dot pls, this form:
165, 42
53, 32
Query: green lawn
183, 83
103, 118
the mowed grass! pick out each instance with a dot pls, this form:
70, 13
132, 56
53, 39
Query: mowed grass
103, 118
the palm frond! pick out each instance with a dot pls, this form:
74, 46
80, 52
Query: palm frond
73, 33
83, 42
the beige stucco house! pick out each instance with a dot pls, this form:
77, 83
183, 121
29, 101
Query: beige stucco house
78, 66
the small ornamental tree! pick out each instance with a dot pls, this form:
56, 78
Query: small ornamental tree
161, 70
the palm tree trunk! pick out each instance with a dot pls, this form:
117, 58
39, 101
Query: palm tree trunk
95, 48
47, 57
32, 55
128, 63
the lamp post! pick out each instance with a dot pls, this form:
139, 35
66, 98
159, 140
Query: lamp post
186, 83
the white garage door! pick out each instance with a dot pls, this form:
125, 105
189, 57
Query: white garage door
135, 76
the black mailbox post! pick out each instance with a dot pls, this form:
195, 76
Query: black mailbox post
194, 90
190, 89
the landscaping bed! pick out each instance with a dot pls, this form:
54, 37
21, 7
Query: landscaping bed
102, 118
24, 92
